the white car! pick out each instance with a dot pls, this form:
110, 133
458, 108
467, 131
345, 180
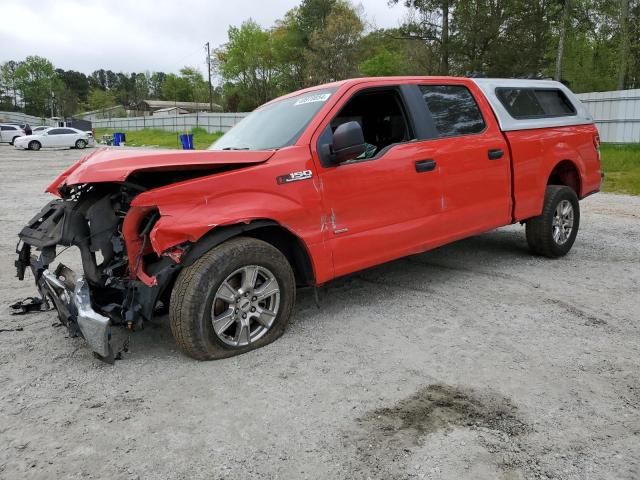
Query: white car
55, 137
9, 133
35, 130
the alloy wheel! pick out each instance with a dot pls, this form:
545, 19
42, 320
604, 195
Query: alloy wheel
563, 222
245, 305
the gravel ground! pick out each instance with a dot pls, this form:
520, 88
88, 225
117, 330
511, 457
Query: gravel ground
476, 360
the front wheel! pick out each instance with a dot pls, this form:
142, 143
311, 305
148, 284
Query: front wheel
80, 144
34, 145
235, 298
553, 233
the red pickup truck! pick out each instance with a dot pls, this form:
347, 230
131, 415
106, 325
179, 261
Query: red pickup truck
311, 186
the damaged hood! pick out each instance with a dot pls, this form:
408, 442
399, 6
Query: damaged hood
115, 165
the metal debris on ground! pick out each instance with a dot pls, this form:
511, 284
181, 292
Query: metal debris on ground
28, 305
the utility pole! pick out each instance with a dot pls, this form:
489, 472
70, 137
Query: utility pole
209, 72
624, 43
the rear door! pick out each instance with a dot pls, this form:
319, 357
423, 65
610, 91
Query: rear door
53, 138
472, 159
68, 137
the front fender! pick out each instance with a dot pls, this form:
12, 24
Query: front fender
188, 223
191, 208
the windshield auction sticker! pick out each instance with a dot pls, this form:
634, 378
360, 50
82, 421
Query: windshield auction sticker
320, 97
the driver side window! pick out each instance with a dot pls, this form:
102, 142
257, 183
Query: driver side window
381, 115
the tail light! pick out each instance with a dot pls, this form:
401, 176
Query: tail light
596, 144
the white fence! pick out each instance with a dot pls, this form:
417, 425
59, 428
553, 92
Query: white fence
211, 122
23, 117
617, 114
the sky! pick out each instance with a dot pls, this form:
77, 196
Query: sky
140, 35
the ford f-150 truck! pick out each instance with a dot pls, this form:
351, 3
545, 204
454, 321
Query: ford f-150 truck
311, 186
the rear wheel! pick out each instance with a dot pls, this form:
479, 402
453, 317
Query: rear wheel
34, 145
13, 140
237, 297
80, 144
553, 233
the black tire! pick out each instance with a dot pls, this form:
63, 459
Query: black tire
540, 230
34, 145
192, 298
80, 144
13, 140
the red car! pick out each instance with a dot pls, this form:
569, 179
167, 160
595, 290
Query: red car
311, 186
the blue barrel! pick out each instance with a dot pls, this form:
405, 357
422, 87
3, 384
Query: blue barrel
118, 138
186, 139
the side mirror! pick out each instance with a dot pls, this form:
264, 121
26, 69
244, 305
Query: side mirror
348, 142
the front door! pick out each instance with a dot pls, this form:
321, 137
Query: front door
376, 205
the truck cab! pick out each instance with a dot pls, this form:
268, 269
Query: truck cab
314, 185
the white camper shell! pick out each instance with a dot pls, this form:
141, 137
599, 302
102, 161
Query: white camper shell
528, 104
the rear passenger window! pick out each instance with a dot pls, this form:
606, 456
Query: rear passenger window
453, 109
555, 103
524, 103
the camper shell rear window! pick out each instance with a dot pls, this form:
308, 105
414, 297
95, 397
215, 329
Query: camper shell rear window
525, 103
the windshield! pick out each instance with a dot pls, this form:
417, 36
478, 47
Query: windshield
275, 125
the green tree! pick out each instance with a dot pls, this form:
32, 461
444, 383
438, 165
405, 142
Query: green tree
334, 49
311, 16
289, 43
188, 86
247, 63
384, 63
99, 99
36, 80
9, 84
430, 23
155, 84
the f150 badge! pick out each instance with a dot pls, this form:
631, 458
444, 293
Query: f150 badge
295, 176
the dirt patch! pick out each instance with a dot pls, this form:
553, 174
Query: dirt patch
436, 407
386, 436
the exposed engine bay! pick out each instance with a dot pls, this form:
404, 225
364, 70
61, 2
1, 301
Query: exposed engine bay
122, 279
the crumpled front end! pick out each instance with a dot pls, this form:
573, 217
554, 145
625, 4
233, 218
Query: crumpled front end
122, 279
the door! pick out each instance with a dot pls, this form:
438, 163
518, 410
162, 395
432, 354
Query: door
7, 132
69, 137
376, 205
472, 159
53, 138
